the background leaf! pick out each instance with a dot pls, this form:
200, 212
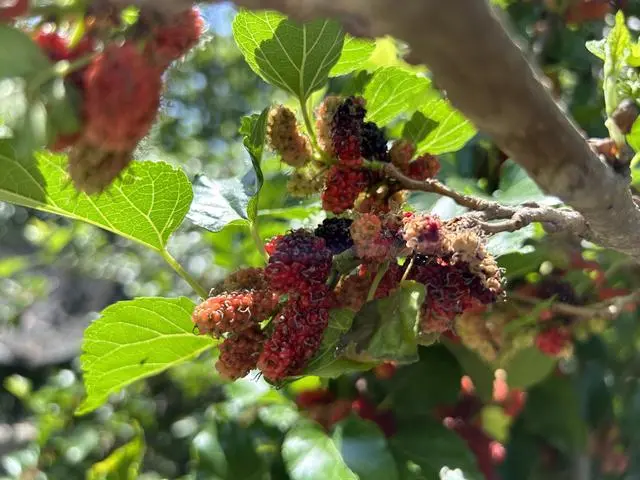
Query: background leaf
433, 381
517, 187
123, 463
472, 365
431, 446
145, 206
226, 451
528, 367
309, 454
562, 425
136, 339
20, 55
296, 58
364, 449
393, 91
218, 203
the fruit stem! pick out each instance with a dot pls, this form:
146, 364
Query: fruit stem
376, 281
186, 276
253, 226
307, 122
407, 271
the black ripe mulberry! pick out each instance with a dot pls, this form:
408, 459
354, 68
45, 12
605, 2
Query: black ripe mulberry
373, 143
336, 234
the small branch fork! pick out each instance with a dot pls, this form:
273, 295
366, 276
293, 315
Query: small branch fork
494, 217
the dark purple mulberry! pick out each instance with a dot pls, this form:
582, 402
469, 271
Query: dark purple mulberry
336, 234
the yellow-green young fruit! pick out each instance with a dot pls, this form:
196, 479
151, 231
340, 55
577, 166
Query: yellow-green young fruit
285, 137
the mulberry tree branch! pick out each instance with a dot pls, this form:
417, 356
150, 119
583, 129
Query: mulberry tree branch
509, 219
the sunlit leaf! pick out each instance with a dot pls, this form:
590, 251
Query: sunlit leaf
296, 58
146, 205
355, 53
393, 91
135, 339
123, 464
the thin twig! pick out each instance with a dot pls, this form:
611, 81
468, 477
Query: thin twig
607, 309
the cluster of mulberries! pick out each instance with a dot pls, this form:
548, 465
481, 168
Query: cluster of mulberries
453, 264
116, 78
452, 288
423, 167
338, 171
296, 276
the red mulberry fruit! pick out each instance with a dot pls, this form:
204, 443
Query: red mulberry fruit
343, 185
426, 166
370, 239
295, 340
233, 312
12, 9
336, 234
451, 289
239, 353
352, 290
246, 279
346, 131
122, 96
297, 261
172, 40
553, 341
285, 138
54, 45
401, 153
